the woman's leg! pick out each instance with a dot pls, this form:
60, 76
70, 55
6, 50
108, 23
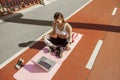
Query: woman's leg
50, 42
64, 43
68, 46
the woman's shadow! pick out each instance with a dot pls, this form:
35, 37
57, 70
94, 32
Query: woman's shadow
33, 44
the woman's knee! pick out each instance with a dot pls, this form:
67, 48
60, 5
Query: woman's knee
68, 46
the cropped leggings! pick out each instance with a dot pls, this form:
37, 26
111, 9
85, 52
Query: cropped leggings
56, 41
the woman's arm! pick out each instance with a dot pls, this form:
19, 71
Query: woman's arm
69, 30
52, 32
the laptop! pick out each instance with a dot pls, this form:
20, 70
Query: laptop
45, 63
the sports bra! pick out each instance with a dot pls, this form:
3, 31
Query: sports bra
63, 32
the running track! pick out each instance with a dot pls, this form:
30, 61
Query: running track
97, 21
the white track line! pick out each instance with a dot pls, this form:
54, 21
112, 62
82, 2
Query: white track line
94, 55
79, 9
20, 52
24, 49
114, 11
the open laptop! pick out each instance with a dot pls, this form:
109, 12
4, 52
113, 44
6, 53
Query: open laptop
45, 63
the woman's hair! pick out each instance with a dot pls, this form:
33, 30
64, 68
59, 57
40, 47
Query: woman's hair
59, 14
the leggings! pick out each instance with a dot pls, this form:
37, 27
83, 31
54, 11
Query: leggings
52, 42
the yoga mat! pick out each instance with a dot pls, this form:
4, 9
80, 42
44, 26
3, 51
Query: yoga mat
30, 71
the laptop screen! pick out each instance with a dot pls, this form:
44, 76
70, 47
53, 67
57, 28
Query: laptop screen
46, 65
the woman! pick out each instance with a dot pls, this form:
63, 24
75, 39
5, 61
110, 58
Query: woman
63, 32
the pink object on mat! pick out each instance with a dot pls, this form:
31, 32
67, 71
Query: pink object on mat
74, 36
32, 72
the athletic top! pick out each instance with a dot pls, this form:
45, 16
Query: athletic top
63, 32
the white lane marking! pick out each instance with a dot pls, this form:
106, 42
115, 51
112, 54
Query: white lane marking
21, 51
12, 58
94, 55
24, 49
114, 11
78, 9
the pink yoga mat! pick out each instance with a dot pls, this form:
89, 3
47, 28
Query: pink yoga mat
30, 71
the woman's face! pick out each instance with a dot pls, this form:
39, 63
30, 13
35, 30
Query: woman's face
59, 20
